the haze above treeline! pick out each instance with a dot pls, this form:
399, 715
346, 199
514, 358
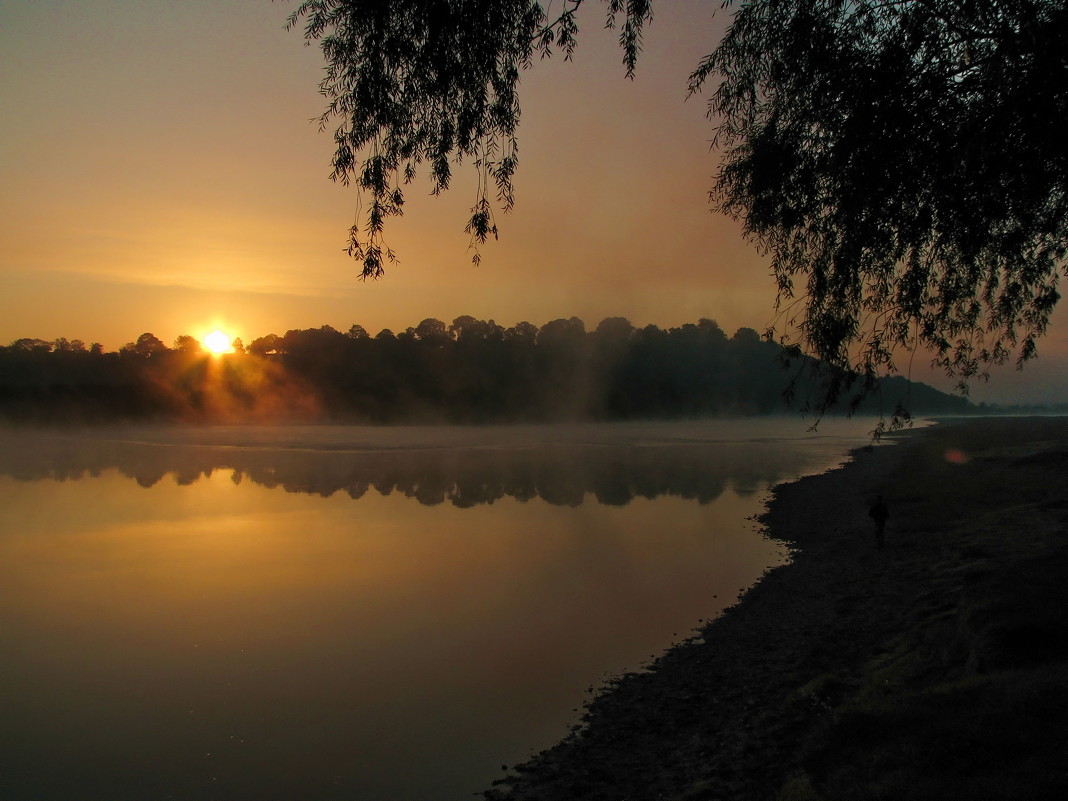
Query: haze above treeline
469, 371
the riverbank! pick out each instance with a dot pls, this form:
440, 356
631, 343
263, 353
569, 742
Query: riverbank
935, 667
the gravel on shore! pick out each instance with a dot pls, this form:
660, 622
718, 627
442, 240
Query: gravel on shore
746, 708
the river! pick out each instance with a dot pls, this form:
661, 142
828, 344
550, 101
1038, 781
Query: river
373, 614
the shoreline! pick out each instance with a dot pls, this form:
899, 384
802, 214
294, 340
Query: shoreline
758, 704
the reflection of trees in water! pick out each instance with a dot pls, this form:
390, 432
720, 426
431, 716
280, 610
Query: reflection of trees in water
561, 475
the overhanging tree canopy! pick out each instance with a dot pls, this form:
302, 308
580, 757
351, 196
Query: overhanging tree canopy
902, 163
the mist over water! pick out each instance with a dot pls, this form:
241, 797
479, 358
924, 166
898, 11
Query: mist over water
414, 608
560, 464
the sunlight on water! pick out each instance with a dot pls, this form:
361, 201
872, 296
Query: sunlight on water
174, 625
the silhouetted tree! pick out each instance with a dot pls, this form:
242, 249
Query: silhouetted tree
614, 330
471, 371
561, 365
64, 345
523, 332
757, 383
271, 344
27, 344
901, 161
467, 329
712, 329
146, 346
610, 343
431, 331
481, 375
186, 343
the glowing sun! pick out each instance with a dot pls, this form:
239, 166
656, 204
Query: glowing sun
218, 342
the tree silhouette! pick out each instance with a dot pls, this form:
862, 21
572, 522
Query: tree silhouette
64, 345
186, 343
903, 164
32, 345
146, 346
269, 344
901, 161
469, 371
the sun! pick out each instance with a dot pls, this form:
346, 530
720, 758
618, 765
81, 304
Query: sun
218, 342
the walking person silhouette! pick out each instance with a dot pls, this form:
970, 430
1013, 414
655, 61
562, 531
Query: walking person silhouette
879, 513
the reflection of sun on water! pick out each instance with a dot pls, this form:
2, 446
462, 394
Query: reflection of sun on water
218, 342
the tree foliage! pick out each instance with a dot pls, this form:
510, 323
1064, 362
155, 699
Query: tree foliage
900, 161
433, 81
903, 164
469, 371
411, 81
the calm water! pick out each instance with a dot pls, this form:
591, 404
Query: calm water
354, 613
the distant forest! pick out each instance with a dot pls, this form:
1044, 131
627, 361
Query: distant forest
469, 371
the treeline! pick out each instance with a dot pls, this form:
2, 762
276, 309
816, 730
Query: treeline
469, 371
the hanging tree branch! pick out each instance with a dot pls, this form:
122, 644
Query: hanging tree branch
901, 162
434, 81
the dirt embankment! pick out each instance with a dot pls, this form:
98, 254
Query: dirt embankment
936, 667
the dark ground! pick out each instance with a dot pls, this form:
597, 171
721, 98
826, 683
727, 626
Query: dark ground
935, 668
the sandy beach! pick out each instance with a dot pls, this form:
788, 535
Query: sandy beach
934, 667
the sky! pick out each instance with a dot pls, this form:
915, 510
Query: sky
163, 172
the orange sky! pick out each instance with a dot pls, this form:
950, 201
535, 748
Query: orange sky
161, 174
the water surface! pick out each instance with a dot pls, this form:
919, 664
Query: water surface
354, 613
